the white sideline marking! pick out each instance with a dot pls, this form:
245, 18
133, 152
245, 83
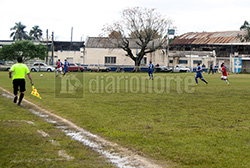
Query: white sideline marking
29, 122
44, 134
63, 154
26, 121
54, 142
37, 160
121, 157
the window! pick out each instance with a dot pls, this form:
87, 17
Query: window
183, 61
171, 61
144, 61
197, 61
110, 60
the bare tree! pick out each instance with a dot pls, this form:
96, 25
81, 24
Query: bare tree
148, 29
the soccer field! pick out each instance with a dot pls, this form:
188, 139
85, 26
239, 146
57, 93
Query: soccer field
168, 119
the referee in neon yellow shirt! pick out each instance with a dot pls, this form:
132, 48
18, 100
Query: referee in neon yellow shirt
19, 70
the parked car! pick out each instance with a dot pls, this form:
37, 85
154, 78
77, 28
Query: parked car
75, 67
181, 68
39, 66
98, 68
4, 67
2, 63
162, 68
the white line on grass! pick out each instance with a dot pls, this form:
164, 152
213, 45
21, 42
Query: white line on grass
63, 154
44, 134
54, 142
117, 155
26, 121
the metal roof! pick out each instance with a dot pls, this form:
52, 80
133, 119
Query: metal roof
225, 37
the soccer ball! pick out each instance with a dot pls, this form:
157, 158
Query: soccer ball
41, 75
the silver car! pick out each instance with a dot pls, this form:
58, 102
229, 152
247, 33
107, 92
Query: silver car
98, 68
181, 68
39, 66
4, 67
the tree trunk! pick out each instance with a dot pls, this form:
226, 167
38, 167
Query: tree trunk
137, 66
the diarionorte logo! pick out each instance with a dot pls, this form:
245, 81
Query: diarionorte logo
140, 84
69, 86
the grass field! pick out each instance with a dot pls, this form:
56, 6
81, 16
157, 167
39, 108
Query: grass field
168, 119
22, 143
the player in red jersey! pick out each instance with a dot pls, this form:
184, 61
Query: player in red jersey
224, 73
59, 67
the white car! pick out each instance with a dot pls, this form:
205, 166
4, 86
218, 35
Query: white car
39, 66
4, 67
162, 68
98, 68
181, 68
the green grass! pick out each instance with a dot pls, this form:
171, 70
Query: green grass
188, 125
22, 146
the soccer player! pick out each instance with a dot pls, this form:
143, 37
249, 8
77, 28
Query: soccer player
19, 70
66, 66
199, 74
211, 69
224, 73
150, 70
59, 67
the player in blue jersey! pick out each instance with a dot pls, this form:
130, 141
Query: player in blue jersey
150, 70
66, 66
199, 74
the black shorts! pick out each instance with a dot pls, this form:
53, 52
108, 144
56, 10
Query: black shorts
19, 83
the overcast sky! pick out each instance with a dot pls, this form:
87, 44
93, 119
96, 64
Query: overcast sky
87, 17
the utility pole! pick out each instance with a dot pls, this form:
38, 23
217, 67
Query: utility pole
167, 53
52, 52
71, 34
47, 54
190, 59
71, 38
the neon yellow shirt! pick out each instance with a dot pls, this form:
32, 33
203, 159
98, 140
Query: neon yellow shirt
19, 70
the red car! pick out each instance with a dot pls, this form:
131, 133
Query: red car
75, 68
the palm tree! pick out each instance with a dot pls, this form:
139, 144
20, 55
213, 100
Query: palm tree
36, 33
245, 27
18, 32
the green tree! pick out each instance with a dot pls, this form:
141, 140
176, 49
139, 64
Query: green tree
26, 49
246, 28
36, 33
148, 28
18, 32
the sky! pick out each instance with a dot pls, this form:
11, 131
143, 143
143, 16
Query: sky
87, 17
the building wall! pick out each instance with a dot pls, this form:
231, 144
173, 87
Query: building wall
97, 56
246, 66
71, 56
195, 59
